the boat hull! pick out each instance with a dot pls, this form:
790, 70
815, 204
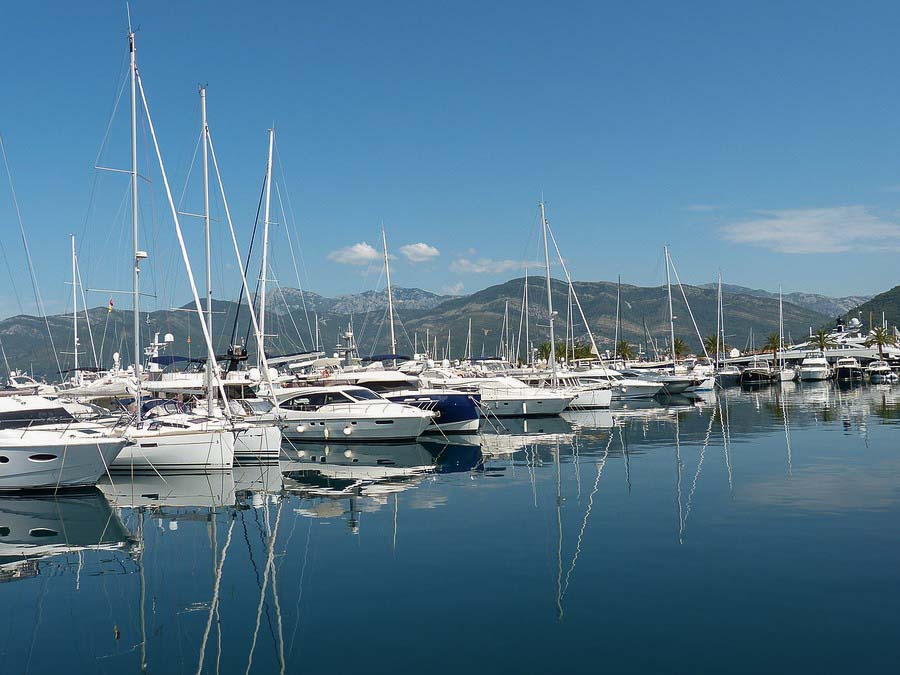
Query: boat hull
454, 412
815, 374
590, 398
257, 443
524, 407
200, 450
320, 427
38, 460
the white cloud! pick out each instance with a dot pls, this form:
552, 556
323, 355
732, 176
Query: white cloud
453, 289
484, 265
358, 254
830, 230
419, 252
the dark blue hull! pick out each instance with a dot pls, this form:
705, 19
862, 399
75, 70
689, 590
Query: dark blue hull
455, 412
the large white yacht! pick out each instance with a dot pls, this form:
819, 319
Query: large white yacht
348, 413
42, 445
815, 367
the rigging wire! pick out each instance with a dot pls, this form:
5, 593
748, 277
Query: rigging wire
34, 284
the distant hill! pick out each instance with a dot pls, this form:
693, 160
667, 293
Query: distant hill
419, 313
831, 307
887, 302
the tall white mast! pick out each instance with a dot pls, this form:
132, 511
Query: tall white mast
210, 390
138, 254
265, 252
671, 314
76, 374
722, 315
390, 293
504, 334
317, 331
552, 357
780, 331
525, 310
618, 300
468, 354
719, 321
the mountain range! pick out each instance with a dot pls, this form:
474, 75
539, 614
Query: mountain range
749, 316
823, 304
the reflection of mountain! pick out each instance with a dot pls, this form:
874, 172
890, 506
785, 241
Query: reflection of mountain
37, 527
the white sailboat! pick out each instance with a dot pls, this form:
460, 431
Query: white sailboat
179, 441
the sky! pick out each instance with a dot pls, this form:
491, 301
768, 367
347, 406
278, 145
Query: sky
758, 139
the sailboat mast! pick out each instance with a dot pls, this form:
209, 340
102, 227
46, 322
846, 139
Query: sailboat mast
718, 319
390, 293
210, 391
317, 331
671, 314
618, 300
525, 310
552, 357
265, 252
468, 354
780, 331
75, 309
138, 255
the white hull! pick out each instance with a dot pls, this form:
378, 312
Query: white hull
257, 443
187, 450
787, 375
524, 407
629, 391
464, 427
37, 459
707, 384
815, 374
590, 398
339, 427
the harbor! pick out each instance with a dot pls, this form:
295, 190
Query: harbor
329, 341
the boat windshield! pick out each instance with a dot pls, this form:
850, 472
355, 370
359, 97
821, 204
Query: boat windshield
361, 394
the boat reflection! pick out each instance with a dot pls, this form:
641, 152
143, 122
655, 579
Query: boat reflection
345, 480
212, 490
35, 528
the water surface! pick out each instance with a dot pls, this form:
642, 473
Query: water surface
749, 532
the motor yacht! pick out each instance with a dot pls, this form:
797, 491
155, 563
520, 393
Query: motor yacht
880, 371
622, 388
815, 367
349, 413
728, 376
759, 372
848, 368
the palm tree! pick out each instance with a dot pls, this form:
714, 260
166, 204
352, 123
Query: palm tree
773, 344
881, 338
681, 348
624, 350
822, 340
711, 344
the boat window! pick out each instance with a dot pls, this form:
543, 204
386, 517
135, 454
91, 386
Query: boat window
337, 397
41, 457
4, 531
4, 460
361, 394
305, 401
15, 419
43, 532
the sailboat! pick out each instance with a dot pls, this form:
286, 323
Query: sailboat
168, 439
725, 375
784, 373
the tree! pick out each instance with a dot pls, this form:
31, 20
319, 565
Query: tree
624, 350
880, 337
773, 344
681, 348
822, 340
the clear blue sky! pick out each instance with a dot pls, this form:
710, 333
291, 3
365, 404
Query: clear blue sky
760, 138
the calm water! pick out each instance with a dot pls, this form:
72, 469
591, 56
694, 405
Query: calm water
753, 532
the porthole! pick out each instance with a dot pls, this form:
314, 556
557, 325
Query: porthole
4, 531
4, 459
42, 458
43, 532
